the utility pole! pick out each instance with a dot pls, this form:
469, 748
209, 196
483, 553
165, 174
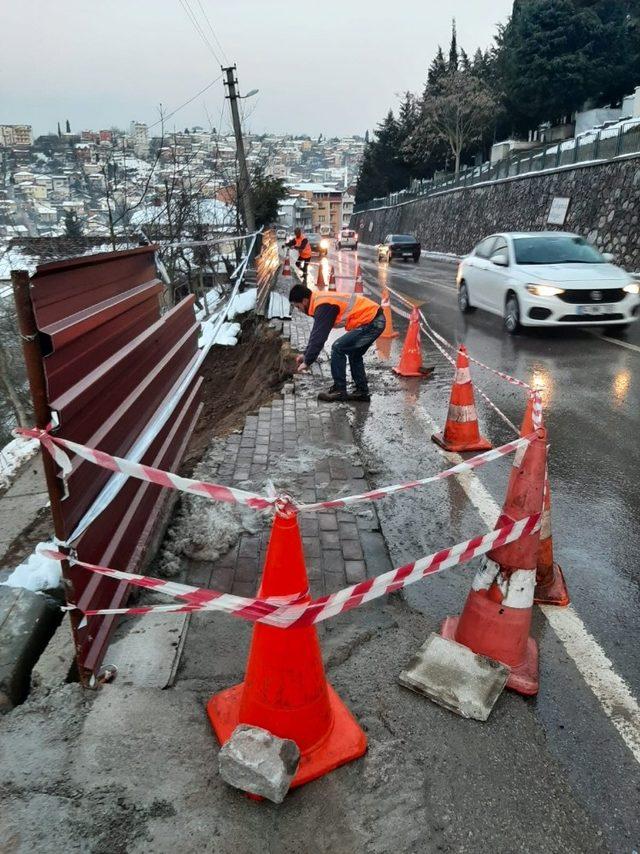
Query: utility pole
244, 188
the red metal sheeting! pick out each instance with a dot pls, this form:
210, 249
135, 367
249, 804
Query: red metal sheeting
110, 362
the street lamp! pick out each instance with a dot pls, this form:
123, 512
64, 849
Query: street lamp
249, 94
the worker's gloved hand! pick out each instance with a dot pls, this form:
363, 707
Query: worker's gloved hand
302, 367
299, 359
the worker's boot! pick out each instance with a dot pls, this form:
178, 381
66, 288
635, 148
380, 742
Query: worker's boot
359, 396
333, 395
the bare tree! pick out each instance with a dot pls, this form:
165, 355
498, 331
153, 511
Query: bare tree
457, 112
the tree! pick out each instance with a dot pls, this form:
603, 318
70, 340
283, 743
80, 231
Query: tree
366, 137
383, 168
550, 60
437, 70
68, 127
59, 131
458, 112
72, 226
453, 48
267, 194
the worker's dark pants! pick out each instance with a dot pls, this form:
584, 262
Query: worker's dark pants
353, 345
303, 264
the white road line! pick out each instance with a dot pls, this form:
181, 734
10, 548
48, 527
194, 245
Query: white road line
611, 691
625, 344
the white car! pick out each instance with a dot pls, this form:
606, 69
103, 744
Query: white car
550, 278
347, 239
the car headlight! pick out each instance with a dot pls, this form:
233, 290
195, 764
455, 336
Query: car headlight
324, 243
544, 290
632, 288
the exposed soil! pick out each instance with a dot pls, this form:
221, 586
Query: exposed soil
237, 381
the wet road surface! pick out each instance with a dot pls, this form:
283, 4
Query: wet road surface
591, 392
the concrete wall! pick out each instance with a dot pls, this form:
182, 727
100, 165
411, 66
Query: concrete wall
604, 207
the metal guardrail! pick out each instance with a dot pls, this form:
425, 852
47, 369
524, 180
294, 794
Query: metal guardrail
598, 146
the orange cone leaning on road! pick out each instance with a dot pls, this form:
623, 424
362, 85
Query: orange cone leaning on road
286, 267
461, 431
410, 364
358, 288
385, 302
332, 279
551, 588
285, 689
320, 282
496, 618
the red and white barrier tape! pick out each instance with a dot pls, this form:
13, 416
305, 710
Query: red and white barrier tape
214, 491
218, 492
295, 615
467, 465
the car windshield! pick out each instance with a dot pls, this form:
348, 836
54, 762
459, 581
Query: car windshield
555, 249
402, 238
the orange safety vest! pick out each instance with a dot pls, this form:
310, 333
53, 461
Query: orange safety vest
305, 253
355, 309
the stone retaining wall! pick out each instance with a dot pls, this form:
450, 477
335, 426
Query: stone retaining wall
604, 207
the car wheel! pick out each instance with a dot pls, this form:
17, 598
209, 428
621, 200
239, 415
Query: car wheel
355, 248
512, 314
463, 299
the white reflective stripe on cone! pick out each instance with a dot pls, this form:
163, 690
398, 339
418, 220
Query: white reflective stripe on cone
463, 375
462, 414
486, 575
521, 586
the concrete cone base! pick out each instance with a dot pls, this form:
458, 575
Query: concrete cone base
524, 677
553, 592
481, 444
344, 741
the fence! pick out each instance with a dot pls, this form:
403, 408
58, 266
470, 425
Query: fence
107, 369
597, 146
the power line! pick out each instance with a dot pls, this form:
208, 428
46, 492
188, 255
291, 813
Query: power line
186, 103
192, 17
213, 33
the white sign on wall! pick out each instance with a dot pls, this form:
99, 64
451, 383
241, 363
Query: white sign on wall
558, 210
371, 226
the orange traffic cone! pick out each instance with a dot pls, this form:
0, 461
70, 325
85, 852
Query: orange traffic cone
461, 431
551, 588
385, 302
410, 364
358, 288
285, 689
320, 282
286, 267
496, 618
332, 279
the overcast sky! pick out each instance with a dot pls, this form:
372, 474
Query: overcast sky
333, 66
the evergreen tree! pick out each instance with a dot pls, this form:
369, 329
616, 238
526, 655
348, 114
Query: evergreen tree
59, 131
366, 136
383, 168
465, 62
68, 127
453, 48
437, 69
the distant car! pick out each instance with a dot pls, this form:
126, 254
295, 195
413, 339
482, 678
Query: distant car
403, 246
546, 279
319, 244
347, 239
281, 234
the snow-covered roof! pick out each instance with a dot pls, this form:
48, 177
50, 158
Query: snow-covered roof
206, 211
312, 187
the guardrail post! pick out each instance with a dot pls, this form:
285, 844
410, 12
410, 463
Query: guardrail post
619, 142
596, 145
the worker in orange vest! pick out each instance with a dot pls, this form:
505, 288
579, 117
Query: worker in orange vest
364, 321
301, 243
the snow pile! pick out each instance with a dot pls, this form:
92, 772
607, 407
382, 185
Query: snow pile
13, 455
242, 303
442, 256
203, 531
227, 334
38, 573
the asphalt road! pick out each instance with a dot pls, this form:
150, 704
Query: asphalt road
591, 393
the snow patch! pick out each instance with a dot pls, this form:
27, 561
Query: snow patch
13, 455
226, 334
242, 303
204, 531
38, 573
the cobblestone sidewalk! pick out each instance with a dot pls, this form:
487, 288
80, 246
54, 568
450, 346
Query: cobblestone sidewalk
308, 448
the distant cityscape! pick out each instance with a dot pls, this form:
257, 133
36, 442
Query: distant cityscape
110, 182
